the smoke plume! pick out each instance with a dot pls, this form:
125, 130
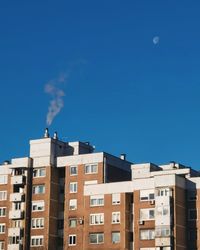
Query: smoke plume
57, 94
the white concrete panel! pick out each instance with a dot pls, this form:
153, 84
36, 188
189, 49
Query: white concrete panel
20, 162
109, 188
40, 147
4, 169
41, 161
79, 159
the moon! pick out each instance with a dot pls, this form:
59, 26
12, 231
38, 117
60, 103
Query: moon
156, 40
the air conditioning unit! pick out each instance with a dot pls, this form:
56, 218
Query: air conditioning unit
141, 222
80, 221
152, 202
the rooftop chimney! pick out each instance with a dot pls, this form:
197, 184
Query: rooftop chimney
123, 157
46, 133
55, 136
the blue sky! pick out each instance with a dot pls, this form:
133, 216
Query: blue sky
123, 93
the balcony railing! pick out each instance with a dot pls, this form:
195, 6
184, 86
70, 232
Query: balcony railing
15, 231
16, 214
16, 197
18, 179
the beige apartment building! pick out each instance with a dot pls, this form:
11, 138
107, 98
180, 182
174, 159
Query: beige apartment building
66, 196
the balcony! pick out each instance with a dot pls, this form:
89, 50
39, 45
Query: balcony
15, 247
15, 231
18, 179
16, 214
16, 197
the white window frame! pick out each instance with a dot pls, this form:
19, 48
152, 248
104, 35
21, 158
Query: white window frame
116, 217
37, 172
113, 241
72, 204
97, 200
74, 240
97, 238
145, 214
162, 210
4, 195
91, 168
70, 170
2, 245
116, 199
38, 239
73, 187
150, 234
2, 228
163, 231
37, 223
146, 195
38, 204
36, 189
97, 219
75, 222
2, 212
3, 179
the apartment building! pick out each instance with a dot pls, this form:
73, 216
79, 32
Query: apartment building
66, 196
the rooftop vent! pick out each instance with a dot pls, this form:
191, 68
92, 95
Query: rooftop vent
55, 136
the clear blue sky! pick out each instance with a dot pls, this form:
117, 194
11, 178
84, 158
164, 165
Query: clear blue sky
123, 93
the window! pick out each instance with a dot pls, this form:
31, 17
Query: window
147, 214
14, 240
72, 239
96, 238
164, 192
39, 172
115, 237
3, 195
72, 222
73, 204
146, 195
115, 199
192, 214
2, 228
39, 189
73, 170
73, 187
162, 210
16, 205
193, 235
37, 223
192, 195
2, 245
96, 200
37, 206
115, 217
16, 223
96, 219
91, 168
148, 234
3, 179
37, 240
2, 213
163, 231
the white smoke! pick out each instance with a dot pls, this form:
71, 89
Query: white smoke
57, 94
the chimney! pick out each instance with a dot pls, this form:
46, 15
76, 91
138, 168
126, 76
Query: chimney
123, 157
46, 133
55, 136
